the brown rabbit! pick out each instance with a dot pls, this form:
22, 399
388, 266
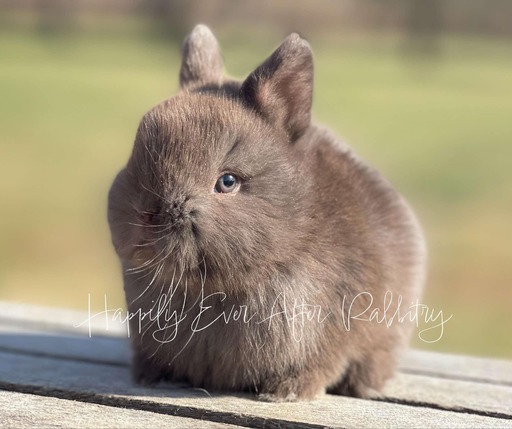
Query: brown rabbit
254, 244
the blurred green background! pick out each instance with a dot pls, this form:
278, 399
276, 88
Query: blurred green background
421, 89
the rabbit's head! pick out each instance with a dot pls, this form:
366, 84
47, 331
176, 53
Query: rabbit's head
215, 183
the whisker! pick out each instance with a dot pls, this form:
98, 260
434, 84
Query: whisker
157, 272
145, 267
147, 263
149, 153
143, 225
152, 242
152, 192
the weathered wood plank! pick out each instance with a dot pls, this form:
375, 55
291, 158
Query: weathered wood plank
46, 319
60, 319
444, 393
111, 386
451, 394
24, 411
76, 346
496, 371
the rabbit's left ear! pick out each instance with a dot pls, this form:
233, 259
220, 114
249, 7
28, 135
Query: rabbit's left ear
201, 61
281, 89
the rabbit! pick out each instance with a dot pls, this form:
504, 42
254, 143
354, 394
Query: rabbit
257, 249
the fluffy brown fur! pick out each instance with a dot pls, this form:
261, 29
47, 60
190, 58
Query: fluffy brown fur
310, 224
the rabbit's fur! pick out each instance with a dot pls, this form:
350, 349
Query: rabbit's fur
216, 278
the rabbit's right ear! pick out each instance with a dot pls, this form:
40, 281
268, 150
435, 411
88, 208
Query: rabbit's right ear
201, 61
281, 89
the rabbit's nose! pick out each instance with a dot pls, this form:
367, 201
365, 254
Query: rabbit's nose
178, 211
174, 210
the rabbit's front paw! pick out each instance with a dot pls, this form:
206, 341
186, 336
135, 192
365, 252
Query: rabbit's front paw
292, 390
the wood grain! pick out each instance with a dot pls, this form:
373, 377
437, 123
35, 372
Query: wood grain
43, 356
24, 411
111, 386
444, 365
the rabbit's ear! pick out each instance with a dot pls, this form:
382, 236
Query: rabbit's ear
281, 89
201, 61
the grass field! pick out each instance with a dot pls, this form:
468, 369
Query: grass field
440, 128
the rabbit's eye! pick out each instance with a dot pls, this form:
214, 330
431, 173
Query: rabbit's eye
227, 183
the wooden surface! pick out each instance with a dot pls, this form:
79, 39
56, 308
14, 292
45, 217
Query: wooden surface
52, 374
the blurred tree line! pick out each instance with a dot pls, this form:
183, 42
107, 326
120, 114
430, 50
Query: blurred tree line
420, 19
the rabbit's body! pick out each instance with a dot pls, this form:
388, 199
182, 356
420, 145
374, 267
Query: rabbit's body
259, 284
